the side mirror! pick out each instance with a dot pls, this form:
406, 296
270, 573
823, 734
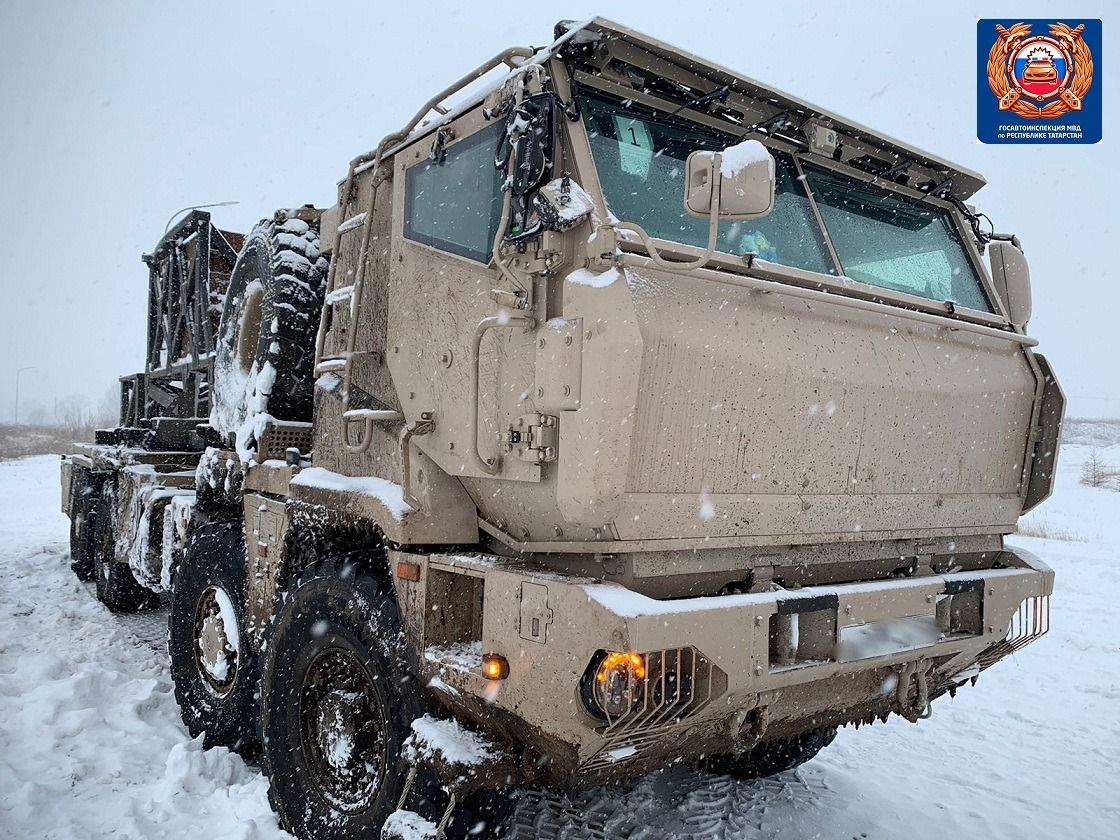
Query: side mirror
1012, 277
742, 176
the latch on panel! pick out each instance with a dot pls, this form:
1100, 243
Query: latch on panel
511, 299
535, 438
536, 615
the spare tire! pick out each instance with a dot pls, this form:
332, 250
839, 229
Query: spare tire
265, 351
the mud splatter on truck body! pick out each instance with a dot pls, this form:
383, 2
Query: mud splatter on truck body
657, 416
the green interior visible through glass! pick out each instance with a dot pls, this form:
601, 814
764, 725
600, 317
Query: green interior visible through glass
641, 155
880, 237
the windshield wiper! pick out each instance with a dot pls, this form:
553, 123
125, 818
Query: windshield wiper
775, 122
717, 95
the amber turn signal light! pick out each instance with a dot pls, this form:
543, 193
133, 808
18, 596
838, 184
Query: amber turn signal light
495, 667
408, 571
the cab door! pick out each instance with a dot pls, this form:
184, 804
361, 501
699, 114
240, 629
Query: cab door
449, 200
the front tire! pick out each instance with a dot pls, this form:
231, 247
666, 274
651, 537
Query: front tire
214, 670
338, 697
772, 757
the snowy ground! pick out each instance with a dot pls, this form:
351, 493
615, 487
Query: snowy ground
90, 739
91, 744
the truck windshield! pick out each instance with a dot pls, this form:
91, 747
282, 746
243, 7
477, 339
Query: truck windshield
640, 156
894, 242
881, 238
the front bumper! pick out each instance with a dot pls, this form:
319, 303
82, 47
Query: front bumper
761, 665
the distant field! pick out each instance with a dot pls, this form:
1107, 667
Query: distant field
21, 441
1095, 433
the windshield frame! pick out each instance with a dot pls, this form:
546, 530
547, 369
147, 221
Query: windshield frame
960, 228
724, 261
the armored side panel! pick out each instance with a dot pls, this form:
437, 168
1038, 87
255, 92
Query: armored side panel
608, 403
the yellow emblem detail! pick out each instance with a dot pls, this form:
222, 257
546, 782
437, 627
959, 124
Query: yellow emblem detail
1040, 70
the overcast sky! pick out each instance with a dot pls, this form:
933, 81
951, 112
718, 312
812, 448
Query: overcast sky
113, 115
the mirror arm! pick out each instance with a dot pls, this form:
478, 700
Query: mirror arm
499, 240
713, 228
1007, 237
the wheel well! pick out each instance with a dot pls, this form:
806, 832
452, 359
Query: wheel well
316, 532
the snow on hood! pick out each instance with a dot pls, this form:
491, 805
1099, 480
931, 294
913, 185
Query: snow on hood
585, 277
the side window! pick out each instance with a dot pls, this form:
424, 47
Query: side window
456, 205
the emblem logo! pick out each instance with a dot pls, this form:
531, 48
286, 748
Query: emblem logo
1039, 81
1040, 77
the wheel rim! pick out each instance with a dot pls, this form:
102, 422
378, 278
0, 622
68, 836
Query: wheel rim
249, 329
217, 641
342, 727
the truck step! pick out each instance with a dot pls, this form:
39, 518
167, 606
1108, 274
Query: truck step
339, 295
353, 223
375, 415
330, 365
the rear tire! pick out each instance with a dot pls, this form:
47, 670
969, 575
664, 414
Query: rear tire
214, 670
117, 589
84, 503
772, 757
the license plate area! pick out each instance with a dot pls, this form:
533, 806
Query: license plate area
866, 621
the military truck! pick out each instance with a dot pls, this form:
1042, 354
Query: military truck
646, 414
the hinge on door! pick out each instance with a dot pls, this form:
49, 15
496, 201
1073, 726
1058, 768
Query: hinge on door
534, 438
515, 299
439, 151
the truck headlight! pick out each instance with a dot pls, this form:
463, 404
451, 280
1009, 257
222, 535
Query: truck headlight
614, 683
657, 685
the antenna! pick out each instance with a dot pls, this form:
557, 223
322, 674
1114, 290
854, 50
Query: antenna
198, 207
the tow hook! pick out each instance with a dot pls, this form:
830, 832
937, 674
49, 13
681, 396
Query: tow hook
747, 726
920, 708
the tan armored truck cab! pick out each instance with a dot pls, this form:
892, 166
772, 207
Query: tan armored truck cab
658, 416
